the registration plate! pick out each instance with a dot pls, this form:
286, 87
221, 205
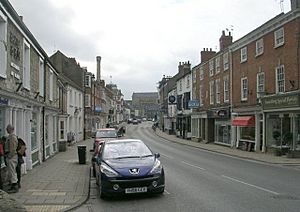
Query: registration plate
135, 190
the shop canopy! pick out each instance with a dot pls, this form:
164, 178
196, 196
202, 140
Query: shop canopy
244, 121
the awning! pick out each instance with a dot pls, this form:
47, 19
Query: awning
244, 121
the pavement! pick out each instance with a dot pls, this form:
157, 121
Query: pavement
58, 184
62, 184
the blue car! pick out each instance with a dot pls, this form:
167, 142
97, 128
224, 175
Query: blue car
128, 166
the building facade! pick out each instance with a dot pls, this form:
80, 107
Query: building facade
29, 88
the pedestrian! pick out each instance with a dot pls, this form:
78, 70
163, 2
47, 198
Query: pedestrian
21, 153
12, 159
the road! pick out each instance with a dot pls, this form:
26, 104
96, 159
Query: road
199, 180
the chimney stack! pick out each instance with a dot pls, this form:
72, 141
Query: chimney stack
206, 54
225, 40
98, 68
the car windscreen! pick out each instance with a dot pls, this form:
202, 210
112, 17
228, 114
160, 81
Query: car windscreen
131, 149
106, 134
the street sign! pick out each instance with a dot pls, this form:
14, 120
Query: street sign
194, 104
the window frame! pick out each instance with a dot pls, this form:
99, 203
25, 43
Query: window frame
218, 91
87, 100
259, 91
51, 85
87, 82
211, 67
280, 67
244, 89
244, 55
225, 61
201, 73
226, 88
217, 64
211, 93
259, 47
41, 77
3, 45
26, 65
279, 37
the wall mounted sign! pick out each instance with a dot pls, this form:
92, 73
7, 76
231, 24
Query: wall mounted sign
194, 104
281, 101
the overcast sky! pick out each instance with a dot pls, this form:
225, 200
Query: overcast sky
140, 40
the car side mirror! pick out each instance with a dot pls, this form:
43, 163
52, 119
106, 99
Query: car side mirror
157, 155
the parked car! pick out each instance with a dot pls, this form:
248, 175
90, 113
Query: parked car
102, 135
128, 166
135, 121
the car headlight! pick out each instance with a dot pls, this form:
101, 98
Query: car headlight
109, 172
156, 168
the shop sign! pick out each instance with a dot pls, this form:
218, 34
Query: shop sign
172, 99
222, 113
284, 101
193, 104
98, 109
3, 101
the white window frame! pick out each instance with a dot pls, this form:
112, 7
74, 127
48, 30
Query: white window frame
194, 76
279, 37
225, 61
87, 81
259, 47
217, 64
26, 64
211, 93
201, 94
188, 81
244, 89
244, 54
51, 85
260, 84
218, 94
226, 89
41, 77
87, 102
201, 73
211, 68
3, 45
280, 79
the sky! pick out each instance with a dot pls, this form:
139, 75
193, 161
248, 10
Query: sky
139, 41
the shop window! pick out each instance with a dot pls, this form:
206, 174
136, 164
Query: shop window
279, 130
34, 144
247, 133
222, 133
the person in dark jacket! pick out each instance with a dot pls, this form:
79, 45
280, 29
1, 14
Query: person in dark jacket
21, 153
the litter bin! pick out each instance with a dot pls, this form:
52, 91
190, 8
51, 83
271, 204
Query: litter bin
82, 154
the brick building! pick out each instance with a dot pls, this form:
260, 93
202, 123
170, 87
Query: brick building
265, 86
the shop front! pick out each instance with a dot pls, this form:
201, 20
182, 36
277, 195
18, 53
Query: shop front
222, 125
183, 126
247, 129
198, 125
282, 115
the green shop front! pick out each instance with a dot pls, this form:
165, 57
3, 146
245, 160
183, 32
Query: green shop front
282, 122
